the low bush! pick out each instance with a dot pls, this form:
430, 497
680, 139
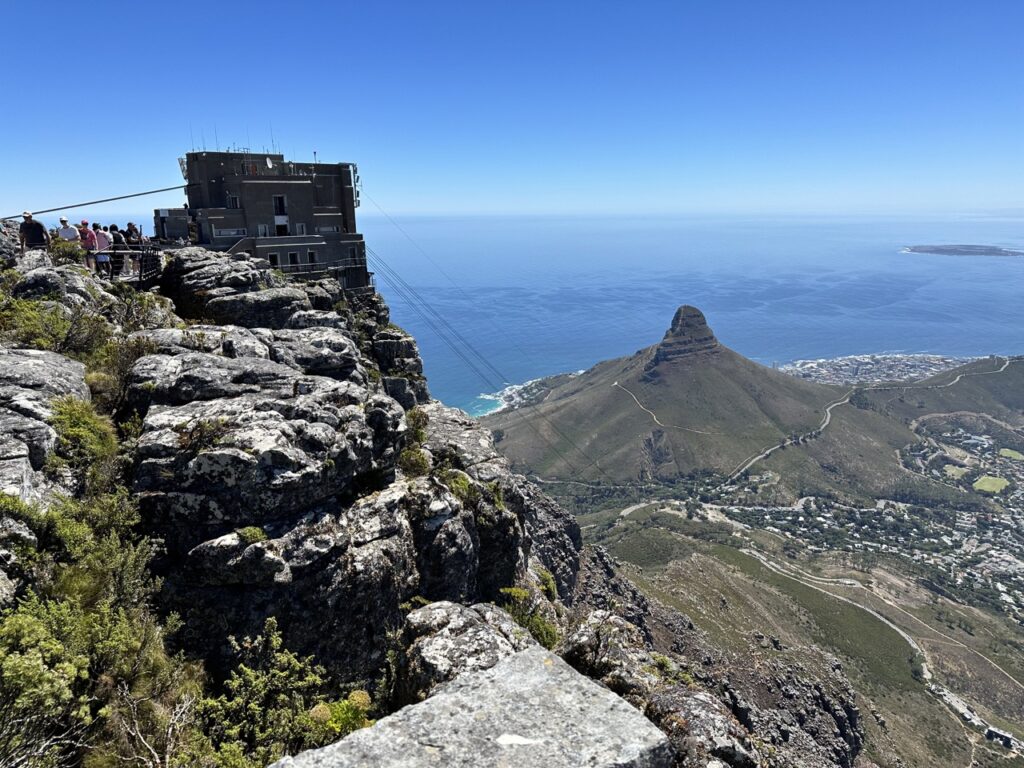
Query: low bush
519, 604
414, 462
86, 443
251, 534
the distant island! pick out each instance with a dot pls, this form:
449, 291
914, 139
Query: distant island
963, 250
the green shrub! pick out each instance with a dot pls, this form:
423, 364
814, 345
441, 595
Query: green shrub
336, 719
76, 332
413, 462
251, 534
200, 435
110, 370
462, 486
497, 496
519, 604
86, 443
417, 420
273, 705
66, 252
547, 584
27, 323
136, 309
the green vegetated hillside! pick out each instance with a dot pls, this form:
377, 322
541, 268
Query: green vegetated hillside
743, 605
712, 409
690, 405
993, 386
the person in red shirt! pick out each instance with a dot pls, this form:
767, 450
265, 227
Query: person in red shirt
89, 243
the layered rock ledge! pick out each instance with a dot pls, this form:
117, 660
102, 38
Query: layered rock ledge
689, 336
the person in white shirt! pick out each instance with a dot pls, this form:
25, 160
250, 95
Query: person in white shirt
67, 232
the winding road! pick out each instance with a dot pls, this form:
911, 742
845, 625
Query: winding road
748, 463
654, 416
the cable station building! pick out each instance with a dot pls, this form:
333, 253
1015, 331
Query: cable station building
301, 217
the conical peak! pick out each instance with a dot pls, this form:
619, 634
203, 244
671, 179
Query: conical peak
689, 321
689, 336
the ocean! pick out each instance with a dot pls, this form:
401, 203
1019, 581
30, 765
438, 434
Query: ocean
535, 296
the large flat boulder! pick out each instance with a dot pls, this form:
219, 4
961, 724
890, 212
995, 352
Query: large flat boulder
530, 709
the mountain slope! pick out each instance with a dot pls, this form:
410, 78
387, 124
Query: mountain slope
686, 404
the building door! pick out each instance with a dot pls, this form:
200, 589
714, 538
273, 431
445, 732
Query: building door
281, 230
279, 206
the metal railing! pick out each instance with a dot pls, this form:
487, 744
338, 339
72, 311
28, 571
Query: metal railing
149, 258
319, 268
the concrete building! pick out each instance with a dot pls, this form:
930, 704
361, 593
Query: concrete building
301, 217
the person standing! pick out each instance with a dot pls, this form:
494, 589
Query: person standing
118, 248
66, 232
88, 239
134, 239
32, 234
103, 243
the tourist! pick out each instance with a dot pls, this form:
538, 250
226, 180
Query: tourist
88, 239
32, 234
103, 242
67, 232
134, 238
118, 247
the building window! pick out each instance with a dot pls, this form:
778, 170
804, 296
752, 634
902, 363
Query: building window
293, 257
279, 206
232, 201
237, 232
311, 257
328, 229
262, 230
300, 229
352, 252
272, 258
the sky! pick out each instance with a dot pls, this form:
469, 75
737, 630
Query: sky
561, 108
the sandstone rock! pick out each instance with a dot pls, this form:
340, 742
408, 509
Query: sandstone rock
444, 640
702, 729
689, 336
193, 277
528, 709
29, 380
13, 534
309, 318
554, 539
260, 309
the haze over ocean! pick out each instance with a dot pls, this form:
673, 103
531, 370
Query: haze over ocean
543, 295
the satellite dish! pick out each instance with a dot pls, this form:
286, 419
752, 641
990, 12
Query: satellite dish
269, 163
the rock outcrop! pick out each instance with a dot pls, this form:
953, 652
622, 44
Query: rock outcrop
528, 709
445, 640
689, 336
29, 381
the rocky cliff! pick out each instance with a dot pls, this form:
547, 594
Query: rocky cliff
688, 336
289, 458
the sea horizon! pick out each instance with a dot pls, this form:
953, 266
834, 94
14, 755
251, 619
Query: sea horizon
537, 297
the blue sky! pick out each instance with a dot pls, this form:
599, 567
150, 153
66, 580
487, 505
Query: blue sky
531, 107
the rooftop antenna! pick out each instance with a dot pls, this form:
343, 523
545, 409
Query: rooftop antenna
273, 145
191, 138
202, 137
216, 138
